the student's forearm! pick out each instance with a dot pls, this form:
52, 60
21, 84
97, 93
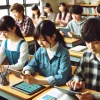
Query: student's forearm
42, 81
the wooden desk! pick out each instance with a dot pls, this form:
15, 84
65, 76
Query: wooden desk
11, 94
75, 56
65, 87
30, 40
71, 42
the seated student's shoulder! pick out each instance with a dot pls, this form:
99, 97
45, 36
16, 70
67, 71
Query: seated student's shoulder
87, 53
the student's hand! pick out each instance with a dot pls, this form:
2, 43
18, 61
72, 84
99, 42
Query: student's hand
29, 79
85, 96
3, 68
75, 84
62, 33
71, 35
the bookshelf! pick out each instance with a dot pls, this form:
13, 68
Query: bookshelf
88, 9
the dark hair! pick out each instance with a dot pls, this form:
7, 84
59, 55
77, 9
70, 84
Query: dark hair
49, 6
76, 9
66, 11
91, 30
18, 7
98, 8
35, 7
8, 22
47, 28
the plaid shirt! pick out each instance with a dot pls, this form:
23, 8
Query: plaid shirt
26, 26
89, 71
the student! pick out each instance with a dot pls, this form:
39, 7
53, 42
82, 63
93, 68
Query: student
24, 22
75, 25
48, 12
35, 15
89, 70
52, 59
14, 47
63, 17
98, 11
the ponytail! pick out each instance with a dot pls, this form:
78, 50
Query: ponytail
60, 38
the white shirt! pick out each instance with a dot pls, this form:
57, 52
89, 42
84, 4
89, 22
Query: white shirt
51, 51
13, 47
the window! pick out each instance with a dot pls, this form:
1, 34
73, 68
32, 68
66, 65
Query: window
5, 5
3, 2
3, 12
14, 1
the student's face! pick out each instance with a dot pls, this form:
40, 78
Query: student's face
46, 9
34, 12
61, 8
76, 17
94, 46
43, 43
17, 14
8, 34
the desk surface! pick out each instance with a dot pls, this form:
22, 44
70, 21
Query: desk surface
65, 87
14, 80
71, 42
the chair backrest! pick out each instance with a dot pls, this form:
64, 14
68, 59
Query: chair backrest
30, 57
73, 69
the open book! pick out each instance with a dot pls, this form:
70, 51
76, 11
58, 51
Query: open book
55, 94
79, 48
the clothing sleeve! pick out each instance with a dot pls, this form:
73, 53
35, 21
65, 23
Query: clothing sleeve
67, 19
53, 17
64, 71
2, 52
96, 96
29, 26
32, 66
79, 72
23, 59
57, 17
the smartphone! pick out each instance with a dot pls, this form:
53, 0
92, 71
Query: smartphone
16, 73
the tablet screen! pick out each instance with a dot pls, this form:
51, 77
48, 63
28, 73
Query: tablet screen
27, 88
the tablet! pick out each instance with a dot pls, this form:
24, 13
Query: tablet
69, 92
27, 88
15, 72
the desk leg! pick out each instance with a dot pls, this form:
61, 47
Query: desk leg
8, 96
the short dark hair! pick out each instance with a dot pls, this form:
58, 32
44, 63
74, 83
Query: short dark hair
91, 30
76, 9
98, 8
18, 7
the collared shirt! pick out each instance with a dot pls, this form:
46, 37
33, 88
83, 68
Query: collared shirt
57, 70
89, 71
26, 26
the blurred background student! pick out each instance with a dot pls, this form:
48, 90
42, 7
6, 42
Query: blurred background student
24, 22
35, 15
75, 25
63, 17
14, 47
48, 12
